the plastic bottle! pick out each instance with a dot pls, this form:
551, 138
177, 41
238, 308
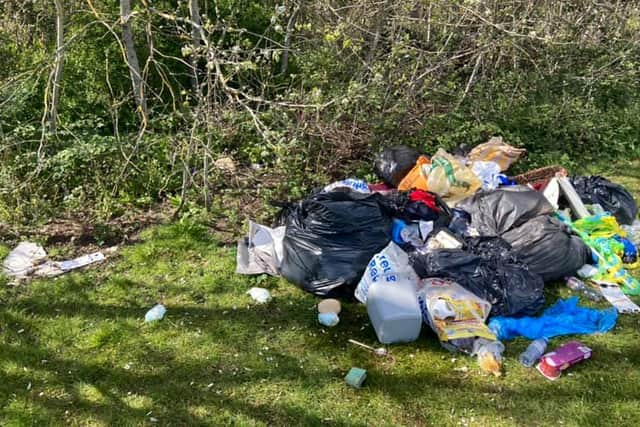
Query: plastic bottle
578, 285
156, 313
489, 355
534, 352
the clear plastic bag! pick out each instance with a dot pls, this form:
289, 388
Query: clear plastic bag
450, 179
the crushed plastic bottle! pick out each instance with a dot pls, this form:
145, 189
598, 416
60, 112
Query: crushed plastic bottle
489, 355
533, 353
157, 312
578, 285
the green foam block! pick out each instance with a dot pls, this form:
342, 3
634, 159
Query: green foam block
356, 377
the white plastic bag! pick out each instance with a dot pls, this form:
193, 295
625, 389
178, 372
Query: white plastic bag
260, 251
351, 183
391, 265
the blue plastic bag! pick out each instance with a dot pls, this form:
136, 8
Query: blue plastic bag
563, 318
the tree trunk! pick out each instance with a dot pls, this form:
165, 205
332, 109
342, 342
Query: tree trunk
132, 58
194, 12
284, 65
381, 17
57, 69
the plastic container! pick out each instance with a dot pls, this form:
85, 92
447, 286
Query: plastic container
533, 353
587, 271
394, 311
552, 364
157, 312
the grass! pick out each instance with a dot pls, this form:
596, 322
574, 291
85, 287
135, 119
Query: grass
75, 351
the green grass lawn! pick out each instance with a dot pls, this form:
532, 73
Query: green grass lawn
75, 351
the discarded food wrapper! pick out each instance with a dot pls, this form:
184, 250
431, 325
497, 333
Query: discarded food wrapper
329, 305
443, 240
552, 364
615, 296
259, 295
453, 312
355, 377
329, 319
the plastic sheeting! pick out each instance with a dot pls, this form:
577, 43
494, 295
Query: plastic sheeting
613, 198
260, 251
496, 212
329, 240
496, 150
565, 317
547, 247
498, 278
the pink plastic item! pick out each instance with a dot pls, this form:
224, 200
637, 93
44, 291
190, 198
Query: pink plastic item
552, 364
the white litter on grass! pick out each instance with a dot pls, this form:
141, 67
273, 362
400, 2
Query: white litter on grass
30, 259
259, 295
22, 260
328, 319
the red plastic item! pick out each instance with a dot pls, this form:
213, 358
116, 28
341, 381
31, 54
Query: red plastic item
425, 197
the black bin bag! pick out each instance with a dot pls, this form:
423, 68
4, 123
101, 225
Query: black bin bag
497, 277
394, 163
329, 240
612, 197
547, 247
495, 212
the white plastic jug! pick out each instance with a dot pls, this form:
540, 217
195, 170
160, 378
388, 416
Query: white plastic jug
394, 311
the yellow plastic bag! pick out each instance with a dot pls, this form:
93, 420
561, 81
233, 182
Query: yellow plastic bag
450, 179
496, 150
416, 179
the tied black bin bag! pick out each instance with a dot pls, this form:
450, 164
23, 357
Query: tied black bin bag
329, 240
394, 163
612, 197
496, 276
548, 248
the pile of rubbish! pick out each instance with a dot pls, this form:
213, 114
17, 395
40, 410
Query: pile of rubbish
456, 243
